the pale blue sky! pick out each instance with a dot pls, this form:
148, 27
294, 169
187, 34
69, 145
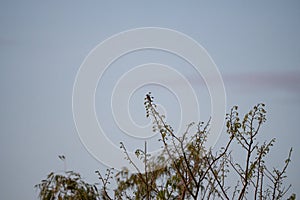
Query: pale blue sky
255, 45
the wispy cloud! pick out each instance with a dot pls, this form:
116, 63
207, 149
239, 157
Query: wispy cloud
271, 81
289, 81
282, 81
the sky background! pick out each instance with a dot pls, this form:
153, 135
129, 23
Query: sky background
255, 45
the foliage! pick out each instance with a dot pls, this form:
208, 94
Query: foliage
194, 171
186, 168
68, 185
